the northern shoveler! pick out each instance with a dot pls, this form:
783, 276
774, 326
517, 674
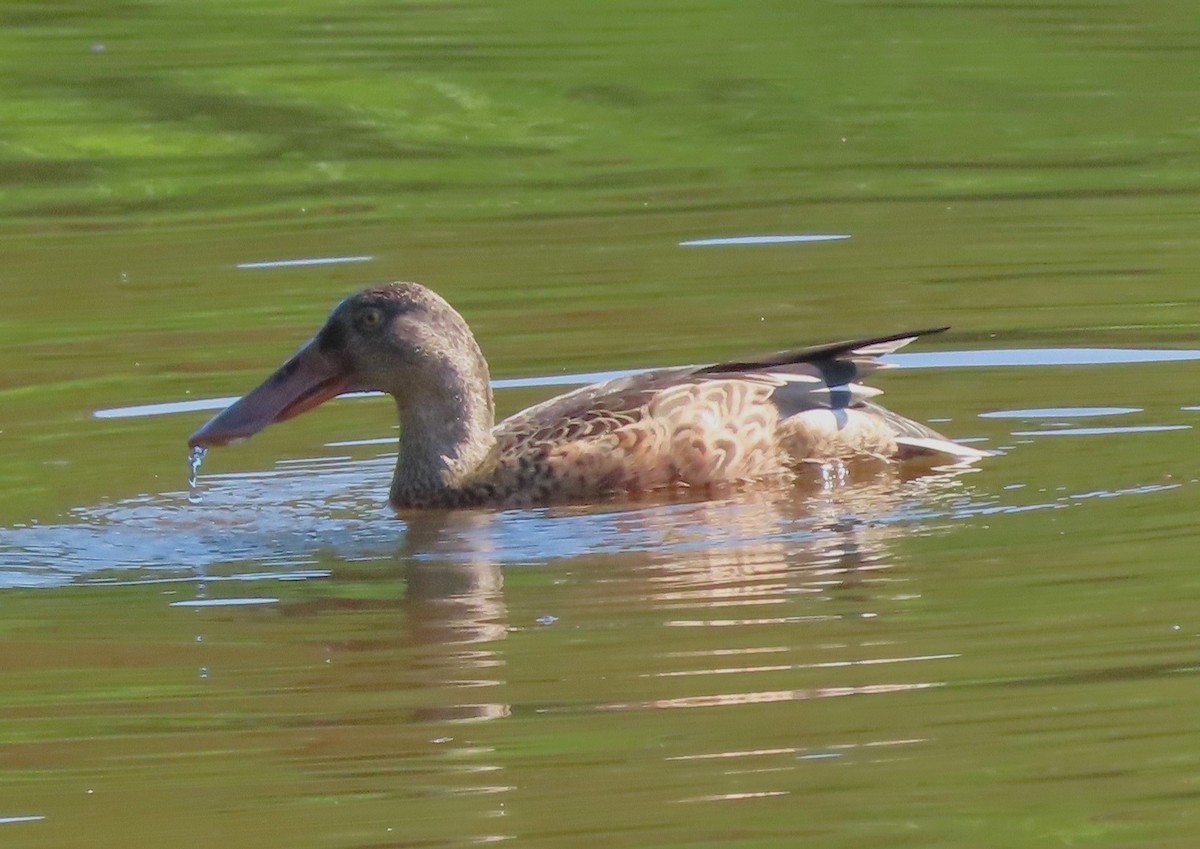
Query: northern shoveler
691, 426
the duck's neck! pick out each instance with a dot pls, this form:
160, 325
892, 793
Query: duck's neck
445, 435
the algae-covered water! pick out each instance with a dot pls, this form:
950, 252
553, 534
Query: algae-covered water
1001, 658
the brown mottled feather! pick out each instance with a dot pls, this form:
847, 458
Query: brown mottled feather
705, 426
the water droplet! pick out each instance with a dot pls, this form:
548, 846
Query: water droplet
833, 474
195, 458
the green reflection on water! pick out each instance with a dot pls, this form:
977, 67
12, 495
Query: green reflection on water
153, 112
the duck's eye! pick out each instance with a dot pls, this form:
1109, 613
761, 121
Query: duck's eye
371, 318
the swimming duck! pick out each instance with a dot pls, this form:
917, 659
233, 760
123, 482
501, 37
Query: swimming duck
691, 426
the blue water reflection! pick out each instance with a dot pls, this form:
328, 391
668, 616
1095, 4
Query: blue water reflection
1059, 412
999, 358
762, 240
292, 263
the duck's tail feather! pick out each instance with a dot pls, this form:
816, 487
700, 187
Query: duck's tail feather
862, 352
915, 440
913, 447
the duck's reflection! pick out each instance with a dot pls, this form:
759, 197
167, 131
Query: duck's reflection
751, 557
828, 535
454, 608
452, 601
735, 572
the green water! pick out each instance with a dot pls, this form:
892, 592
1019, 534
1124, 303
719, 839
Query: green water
1005, 658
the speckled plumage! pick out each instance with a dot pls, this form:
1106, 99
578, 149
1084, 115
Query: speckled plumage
702, 427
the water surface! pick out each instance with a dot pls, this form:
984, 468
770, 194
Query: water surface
1003, 657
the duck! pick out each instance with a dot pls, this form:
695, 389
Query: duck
700, 427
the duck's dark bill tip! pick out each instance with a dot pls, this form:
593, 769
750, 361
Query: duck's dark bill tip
308, 379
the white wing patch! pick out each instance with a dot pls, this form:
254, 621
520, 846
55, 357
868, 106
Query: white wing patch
879, 349
915, 446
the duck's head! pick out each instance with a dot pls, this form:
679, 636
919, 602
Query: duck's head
401, 338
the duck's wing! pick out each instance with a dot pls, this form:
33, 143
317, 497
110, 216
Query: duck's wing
820, 377
819, 389
590, 411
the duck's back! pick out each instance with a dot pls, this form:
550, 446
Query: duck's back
705, 426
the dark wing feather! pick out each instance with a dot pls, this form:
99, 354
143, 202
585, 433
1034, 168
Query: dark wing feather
820, 376
854, 349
